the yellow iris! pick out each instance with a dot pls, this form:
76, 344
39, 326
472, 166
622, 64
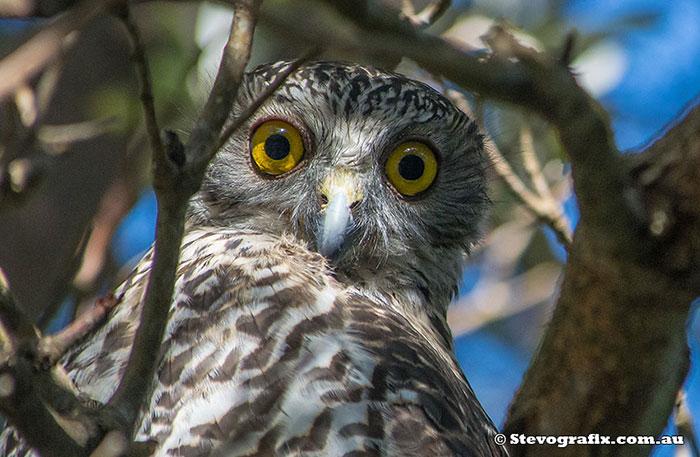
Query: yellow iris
411, 168
276, 147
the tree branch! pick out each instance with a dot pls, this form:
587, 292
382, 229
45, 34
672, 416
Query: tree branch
615, 353
51, 348
22, 400
269, 90
177, 174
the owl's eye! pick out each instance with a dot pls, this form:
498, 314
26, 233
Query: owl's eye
276, 147
411, 168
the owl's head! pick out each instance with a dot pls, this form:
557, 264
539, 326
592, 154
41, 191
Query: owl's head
379, 173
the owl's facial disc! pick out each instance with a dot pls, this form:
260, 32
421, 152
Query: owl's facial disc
341, 191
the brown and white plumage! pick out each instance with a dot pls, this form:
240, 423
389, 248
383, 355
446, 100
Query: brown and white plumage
274, 349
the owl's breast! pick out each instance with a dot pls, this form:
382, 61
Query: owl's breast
266, 353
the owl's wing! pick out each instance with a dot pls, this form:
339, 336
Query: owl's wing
432, 410
266, 354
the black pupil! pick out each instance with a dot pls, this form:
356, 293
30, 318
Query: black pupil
411, 167
277, 147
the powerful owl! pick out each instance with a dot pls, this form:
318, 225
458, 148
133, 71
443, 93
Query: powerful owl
320, 256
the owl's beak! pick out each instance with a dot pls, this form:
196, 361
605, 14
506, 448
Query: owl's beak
341, 192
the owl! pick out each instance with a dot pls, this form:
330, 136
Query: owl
318, 262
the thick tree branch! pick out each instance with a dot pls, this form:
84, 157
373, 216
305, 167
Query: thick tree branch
615, 353
177, 174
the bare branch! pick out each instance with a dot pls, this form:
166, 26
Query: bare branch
177, 174
204, 139
530, 162
146, 93
552, 212
52, 347
514, 183
567, 49
269, 90
466, 316
57, 138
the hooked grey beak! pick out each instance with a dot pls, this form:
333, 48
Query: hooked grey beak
334, 225
341, 191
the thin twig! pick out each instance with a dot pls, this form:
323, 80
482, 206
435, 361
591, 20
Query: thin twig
498, 160
119, 198
25, 101
514, 183
567, 48
545, 209
204, 140
146, 92
530, 162
552, 211
269, 90
52, 347
407, 8
466, 316
47, 84
56, 138
177, 174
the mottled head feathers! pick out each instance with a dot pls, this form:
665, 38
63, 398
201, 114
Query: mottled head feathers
351, 118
